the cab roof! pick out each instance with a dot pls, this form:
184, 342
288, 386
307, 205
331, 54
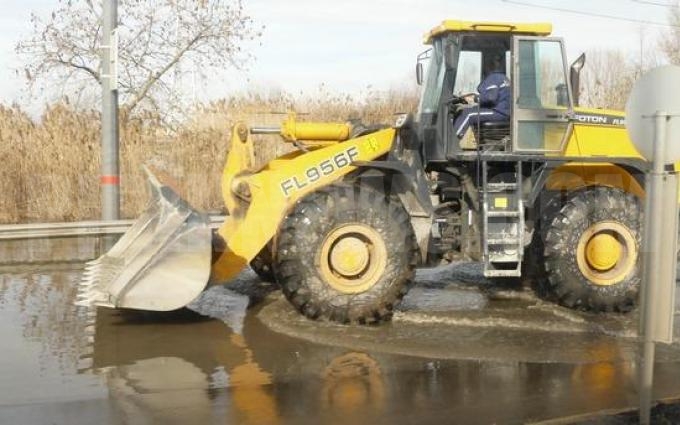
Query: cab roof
538, 29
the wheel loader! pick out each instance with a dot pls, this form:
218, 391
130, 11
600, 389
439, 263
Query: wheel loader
550, 197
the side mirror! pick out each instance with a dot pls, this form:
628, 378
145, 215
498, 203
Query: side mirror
575, 77
419, 73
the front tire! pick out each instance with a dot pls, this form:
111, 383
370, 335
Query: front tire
592, 250
262, 265
346, 254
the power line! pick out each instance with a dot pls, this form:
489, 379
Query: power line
655, 3
592, 14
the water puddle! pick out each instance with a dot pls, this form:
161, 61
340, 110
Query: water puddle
454, 313
457, 348
46, 342
223, 304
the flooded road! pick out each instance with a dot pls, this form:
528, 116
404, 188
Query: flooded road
458, 351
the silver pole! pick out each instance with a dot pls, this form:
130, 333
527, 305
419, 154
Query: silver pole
653, 234
265, 130
110, 174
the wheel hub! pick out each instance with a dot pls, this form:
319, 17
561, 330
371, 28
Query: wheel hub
349, 256
603, 251
352, 258
607, 252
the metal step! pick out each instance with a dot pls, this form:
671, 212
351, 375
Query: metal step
504, 241
503, 273
503, 245
509, 214
500, 187
503, 259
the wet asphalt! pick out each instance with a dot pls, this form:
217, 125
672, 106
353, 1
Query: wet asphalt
459, 351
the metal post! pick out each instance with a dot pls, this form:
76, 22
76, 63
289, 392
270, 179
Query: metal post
110, 174
653, 234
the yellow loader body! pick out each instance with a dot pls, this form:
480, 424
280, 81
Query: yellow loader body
597, 133
169, 255
258, 200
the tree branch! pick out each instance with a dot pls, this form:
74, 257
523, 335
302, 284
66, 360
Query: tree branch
156, 38
153, 78
85, 68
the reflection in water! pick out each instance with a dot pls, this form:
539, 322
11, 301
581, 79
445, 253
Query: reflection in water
606, 379
47, 315
251, 389
180, 367
209, 372
165, 389
177, 367
352, 382
46, 341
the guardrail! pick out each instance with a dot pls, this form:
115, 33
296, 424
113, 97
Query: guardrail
73, 229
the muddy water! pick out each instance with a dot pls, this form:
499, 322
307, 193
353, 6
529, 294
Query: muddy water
454, 313
458, 351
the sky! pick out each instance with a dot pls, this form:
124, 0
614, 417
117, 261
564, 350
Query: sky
350, 46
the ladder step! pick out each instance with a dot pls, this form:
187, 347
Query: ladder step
503, 258
503, 241
494, 214
502, 273
500, 187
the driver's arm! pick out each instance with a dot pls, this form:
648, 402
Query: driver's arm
470, 98
488, 91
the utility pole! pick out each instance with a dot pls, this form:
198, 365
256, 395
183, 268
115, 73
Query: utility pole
110, 173
653, 124
659, 261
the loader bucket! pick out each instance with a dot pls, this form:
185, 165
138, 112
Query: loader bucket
161, 263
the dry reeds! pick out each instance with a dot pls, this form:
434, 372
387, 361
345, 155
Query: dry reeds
50, 168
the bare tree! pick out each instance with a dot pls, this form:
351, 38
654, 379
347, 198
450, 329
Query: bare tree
609, 74
607, 79
670, 40
158, 40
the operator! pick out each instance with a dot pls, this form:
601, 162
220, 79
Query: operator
494, 101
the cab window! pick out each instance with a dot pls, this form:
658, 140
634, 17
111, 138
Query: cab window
469, 72
477, 53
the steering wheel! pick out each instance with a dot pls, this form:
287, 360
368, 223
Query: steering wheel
456, 100
462, 99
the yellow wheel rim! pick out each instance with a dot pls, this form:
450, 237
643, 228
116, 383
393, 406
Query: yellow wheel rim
353, 257
603, 251
606, 253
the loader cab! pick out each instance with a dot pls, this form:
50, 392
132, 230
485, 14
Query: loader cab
456, 63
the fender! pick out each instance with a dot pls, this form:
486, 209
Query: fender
405, 181
575, 176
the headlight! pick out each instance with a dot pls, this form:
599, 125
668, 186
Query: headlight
403, 121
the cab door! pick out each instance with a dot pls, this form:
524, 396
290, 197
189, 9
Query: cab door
542, 96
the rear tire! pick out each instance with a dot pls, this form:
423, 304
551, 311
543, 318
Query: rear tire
347, 254
534, 274
592, 250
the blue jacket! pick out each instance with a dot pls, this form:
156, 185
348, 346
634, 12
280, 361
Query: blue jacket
494, 93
